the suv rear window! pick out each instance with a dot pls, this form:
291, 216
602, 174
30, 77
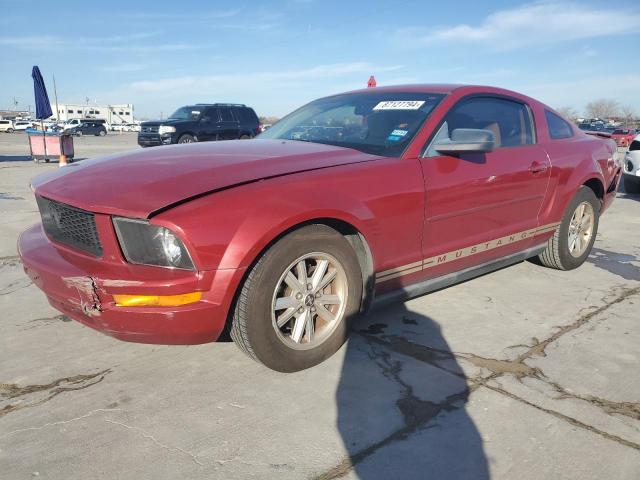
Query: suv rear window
558, 127
246, 115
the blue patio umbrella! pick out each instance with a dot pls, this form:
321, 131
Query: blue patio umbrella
43, 106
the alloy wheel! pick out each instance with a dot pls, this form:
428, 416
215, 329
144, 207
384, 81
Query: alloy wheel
309, 300
581, 229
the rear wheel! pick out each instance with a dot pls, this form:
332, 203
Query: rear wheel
631, 184
573, 239
186, 138
102, 133
9, 130
295, 305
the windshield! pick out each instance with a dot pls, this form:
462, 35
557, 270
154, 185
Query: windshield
375, 123
185, 113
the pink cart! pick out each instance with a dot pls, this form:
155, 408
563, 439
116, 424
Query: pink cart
48, 145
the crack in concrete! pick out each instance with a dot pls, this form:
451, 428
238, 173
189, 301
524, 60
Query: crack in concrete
627, 409
147, 435
18, 284
9, 261
539, 347
573, 421
418, 413
61, 422
37, 322
11, 391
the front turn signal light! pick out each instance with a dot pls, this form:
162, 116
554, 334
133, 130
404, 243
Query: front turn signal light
157, 300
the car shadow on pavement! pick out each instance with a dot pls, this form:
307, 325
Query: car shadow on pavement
402, 403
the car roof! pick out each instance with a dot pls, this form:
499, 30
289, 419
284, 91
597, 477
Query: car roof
444, 88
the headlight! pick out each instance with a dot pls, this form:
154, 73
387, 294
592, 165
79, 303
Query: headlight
148, 244
166, 129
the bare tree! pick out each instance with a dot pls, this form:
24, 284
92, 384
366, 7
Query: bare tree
603, 108
628, 115
568, 112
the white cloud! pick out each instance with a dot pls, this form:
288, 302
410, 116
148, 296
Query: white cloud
205, 83
532, 24
116, 43
579, 91
270, 92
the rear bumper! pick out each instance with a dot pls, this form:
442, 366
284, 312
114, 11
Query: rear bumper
86, 295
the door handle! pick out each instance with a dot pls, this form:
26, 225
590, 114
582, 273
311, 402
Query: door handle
537, 167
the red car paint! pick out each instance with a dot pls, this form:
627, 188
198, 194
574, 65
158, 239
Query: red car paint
420, 218
623, 137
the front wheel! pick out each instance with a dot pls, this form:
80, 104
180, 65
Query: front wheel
102, 133
9, 130
186, 138
573, 239
295, 305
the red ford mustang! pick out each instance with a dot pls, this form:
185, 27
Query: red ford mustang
351, 200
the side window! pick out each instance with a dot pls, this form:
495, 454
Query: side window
635, 145
213, 114
558, 127
225, 115
509, 121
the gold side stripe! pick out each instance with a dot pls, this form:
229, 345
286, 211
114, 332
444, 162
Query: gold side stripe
463, 252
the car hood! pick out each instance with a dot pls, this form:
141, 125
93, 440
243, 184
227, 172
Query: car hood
139, 183
168, 121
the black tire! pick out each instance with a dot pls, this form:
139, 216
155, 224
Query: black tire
252, 326
102, 133
187, 138
9, 130
79, 133
557, 254
631, 184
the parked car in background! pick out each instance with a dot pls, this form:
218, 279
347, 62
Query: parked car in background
201, 123
88, 128
6, 126
631, 167
22, 125
118, 127
374, 195
131, 127
623, 136
76, 122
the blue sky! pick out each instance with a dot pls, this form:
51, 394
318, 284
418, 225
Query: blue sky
277, 55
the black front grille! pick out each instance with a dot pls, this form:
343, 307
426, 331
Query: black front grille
70, 225
149, 129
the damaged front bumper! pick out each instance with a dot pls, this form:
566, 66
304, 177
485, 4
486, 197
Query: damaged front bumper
82, 288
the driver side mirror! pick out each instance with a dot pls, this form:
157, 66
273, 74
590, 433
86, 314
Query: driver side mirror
467, 140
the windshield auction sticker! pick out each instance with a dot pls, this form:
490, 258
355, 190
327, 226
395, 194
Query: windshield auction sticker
399, 105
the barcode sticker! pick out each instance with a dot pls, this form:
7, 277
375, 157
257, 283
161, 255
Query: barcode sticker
399, 105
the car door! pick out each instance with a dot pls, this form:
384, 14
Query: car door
480, 207
208, 125
229, 125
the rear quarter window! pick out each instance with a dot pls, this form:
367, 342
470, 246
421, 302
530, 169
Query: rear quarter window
557, 126
635, 145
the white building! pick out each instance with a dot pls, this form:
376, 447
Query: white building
113, 114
